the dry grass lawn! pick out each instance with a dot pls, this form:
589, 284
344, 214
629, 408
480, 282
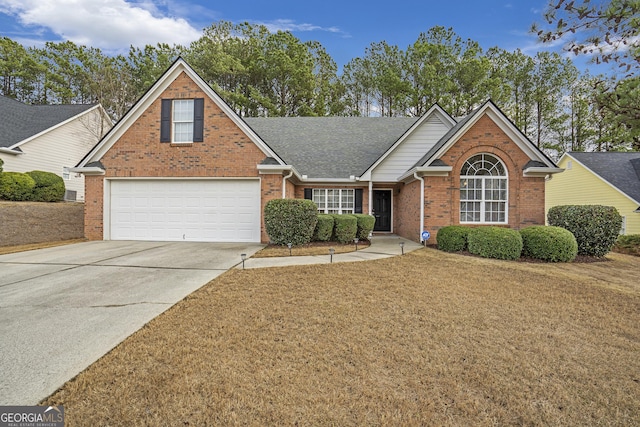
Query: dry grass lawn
428, 338
32, 246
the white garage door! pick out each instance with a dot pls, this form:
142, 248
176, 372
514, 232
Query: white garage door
189, 210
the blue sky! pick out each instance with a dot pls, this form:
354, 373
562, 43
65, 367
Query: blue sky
345, 28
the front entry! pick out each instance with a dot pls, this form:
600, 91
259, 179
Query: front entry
382, 210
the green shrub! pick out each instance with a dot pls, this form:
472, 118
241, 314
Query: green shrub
365, 225
1, 163
16, 186
595, 227
549, 243
453, 238
495, 242
345, 228
290, 220
324, 228
49, 187
628, 244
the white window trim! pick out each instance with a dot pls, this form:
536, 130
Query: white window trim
174, 121
483, 201
340, 209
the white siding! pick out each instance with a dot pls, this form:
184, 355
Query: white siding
411, 150
61, 147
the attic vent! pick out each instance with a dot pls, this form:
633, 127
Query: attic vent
70, 195
569, 165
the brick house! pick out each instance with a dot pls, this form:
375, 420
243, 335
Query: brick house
182, 165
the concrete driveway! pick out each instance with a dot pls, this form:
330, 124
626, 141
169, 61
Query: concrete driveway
63, 308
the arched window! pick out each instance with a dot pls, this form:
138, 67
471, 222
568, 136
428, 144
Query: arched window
483, 190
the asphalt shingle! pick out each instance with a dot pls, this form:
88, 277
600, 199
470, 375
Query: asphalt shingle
330, 147
21, 121
619, 169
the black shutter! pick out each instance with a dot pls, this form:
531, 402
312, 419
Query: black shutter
358, 201
198, 120
165, 121
308, 193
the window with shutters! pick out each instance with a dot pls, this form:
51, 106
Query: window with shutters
334, 200
182, 120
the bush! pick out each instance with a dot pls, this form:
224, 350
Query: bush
495, 242
49, 187
324, 228
365, 225
16, 186
453, 238
345, 228
1, 163
290, 220
549, 243
595, 227
628, 244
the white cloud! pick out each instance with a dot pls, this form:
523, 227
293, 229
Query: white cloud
292, 26
107, 24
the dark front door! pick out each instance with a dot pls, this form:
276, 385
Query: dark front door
382, 210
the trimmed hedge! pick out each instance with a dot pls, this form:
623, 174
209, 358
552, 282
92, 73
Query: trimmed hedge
345, 228
628, 244
49, 187
365, 225
324, 228
495, 242
549, 243
16, 186
595, 227
453, 238
290, 220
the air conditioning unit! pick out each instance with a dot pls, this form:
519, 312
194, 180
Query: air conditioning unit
70, 195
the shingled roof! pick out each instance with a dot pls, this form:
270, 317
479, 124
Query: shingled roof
330, 147
21, 121
622, 170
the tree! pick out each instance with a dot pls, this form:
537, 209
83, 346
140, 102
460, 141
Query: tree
610, 31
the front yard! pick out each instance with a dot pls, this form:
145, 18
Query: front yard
428, 338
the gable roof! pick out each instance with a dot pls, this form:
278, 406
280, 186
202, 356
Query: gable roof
21, 122
539, 162
331, 147
178, 67
621, 170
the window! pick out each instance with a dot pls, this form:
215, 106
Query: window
183, 120
334, 200
623, 227
483, 190
65, 173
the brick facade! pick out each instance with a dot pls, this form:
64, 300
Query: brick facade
227, 152
442, 194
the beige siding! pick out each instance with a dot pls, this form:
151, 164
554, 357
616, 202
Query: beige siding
61, 147
577, 185
411, 150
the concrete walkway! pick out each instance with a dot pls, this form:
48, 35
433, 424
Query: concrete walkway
382, 246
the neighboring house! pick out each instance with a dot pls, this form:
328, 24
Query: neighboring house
609, 178
182, 165
51, 138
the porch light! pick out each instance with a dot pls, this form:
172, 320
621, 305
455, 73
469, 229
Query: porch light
402, 247
289, 246
356, 242
243, 256
331, 252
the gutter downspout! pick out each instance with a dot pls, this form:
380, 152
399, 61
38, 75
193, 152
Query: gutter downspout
415, 175
284, 184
